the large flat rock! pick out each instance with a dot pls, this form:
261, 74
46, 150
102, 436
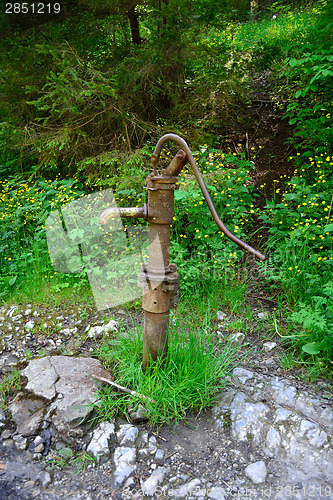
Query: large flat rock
68, 384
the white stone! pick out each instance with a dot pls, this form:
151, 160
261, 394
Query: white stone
238, 337
17, 317
98, 330
263, 315
41, 377
124, 459
273, 440
127, 434
282, 415
29, 325
159, 454
152, 444
68, 331
100, 442
187, 489
21, 443
283, 393
256, 472
150, 485
11, 311
269, 346
221, 316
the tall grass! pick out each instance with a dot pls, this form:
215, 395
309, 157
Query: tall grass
195, 369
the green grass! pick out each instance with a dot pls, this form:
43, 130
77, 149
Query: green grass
196, 368
8, 385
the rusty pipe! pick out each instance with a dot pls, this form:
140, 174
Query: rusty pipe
178, 140
112, 213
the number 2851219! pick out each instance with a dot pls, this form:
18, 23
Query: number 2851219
32, 8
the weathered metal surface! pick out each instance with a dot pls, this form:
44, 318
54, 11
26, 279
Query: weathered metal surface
111, 213
155, 339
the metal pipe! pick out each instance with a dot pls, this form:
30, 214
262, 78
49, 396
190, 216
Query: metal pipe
178, 140
112, 213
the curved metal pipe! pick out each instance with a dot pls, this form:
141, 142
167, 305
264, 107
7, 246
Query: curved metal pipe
178, 140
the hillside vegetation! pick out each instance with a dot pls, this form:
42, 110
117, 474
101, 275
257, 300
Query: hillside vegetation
86, 95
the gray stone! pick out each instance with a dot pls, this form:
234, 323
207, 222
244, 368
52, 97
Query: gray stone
156, 478
44, 479
273, 441
248, 419
187, 489
39, 448
21, 443
124, 459
216, 493
27, 413
7, 443
71, 380
283, 392
6, 434
256, 472
127, 435
152, 445
139, 415
41, 376
99, 446
242, 374
68, 332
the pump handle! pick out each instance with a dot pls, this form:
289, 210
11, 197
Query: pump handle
178, 140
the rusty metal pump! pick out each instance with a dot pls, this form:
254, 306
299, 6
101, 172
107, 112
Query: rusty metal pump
158, 278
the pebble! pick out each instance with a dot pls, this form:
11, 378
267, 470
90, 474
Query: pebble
44, 478
21, 443
221, 316
263, 315
269, 346
256, 472
237, 337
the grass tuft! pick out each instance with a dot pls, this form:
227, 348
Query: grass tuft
196, 368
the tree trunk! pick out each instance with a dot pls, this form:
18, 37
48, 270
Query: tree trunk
134, 25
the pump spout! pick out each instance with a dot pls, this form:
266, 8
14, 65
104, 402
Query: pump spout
112, 213
185, 149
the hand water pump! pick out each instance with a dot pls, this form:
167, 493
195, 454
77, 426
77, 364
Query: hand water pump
159, 278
